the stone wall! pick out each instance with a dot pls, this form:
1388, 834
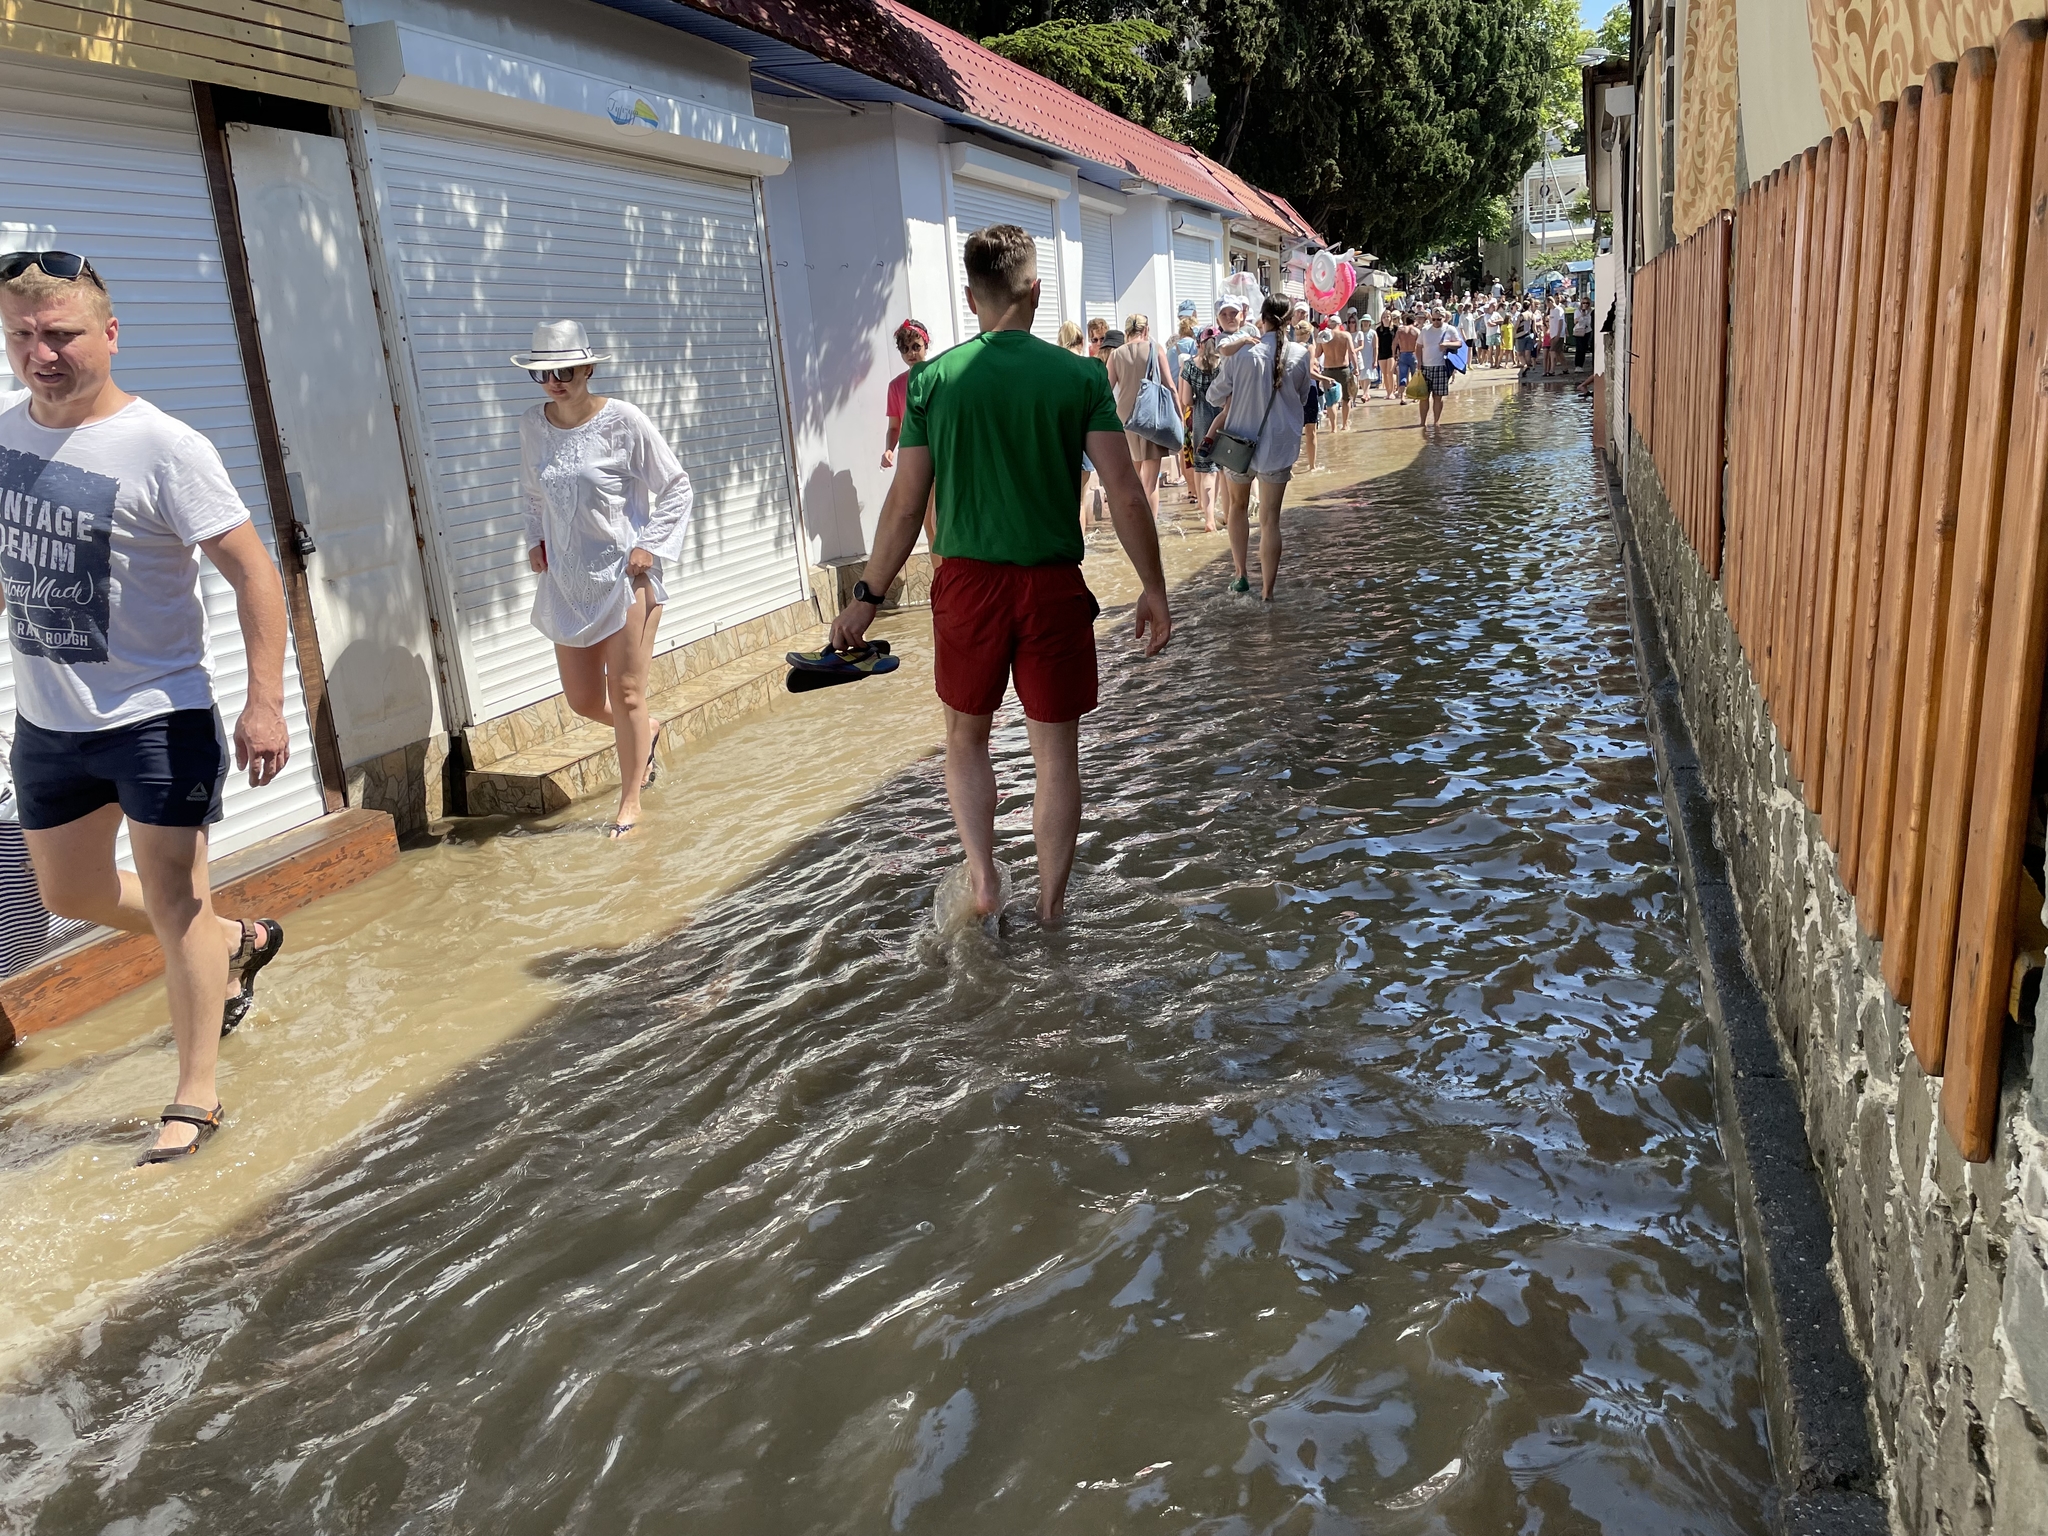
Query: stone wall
408, 781
1942, 1265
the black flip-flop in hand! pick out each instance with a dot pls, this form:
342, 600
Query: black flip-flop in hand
810, 670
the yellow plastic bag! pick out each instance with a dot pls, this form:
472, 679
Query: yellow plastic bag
1418, 387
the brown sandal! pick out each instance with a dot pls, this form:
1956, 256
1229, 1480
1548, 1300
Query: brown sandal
186, 1114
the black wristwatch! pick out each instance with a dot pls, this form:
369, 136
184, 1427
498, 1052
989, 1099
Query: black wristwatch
862, 594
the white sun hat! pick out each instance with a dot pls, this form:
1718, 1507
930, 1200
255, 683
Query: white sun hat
559, 344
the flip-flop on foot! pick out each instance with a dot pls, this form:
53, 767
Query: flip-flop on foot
614, 830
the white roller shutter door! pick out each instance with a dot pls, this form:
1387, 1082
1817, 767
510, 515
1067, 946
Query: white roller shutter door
1194, 275
976, 206
108, 164
1098, 267
665, 270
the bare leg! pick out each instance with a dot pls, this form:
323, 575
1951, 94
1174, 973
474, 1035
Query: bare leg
583, 682
1308, 447
971, 790
1055, 811
171, 864
1236, 505
627, 657
1148, 477
168, 896
76, 877
1271, 494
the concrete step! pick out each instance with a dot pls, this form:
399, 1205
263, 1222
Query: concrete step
584, 761
266, 879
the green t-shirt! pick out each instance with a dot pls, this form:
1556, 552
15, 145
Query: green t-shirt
1005, 416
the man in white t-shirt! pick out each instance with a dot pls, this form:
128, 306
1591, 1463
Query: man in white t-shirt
1439, 340
105, 505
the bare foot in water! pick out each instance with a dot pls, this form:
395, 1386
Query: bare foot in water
988, 891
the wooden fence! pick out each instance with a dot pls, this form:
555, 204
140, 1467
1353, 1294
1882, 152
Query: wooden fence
1677, 341
1885, 555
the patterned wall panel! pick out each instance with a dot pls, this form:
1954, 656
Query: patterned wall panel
1708, 107
1868, 51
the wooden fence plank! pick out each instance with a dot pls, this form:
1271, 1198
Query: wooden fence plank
1769, 404
1817, 345
1832, 704
1902, 532
1887, 361
1820, 632
1741, 281
1941, 469
2015, 635
2008, 181
1784, 523
1724, 378
2016, 652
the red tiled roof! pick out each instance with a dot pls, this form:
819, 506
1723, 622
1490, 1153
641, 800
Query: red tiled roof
1300, 224
890, 42
1262, 206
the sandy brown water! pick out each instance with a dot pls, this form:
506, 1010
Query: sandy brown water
1347, 1165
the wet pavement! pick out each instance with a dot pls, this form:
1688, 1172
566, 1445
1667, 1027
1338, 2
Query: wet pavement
1348, 1164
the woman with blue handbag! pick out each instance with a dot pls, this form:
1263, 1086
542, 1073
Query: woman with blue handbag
1138, 371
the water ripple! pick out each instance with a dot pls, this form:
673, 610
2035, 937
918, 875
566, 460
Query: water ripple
1347, 1165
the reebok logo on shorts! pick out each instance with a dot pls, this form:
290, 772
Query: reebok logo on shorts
199, 793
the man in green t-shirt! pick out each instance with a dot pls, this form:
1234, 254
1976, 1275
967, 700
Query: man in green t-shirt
1000, 422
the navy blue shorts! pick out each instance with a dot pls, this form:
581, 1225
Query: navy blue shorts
165, 772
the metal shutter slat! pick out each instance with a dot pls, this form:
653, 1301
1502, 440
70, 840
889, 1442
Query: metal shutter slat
1098, 267
976, 206
1194, 275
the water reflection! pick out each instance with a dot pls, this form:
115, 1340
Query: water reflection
1347, 1165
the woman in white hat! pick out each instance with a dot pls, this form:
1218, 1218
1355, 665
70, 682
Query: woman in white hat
606, 504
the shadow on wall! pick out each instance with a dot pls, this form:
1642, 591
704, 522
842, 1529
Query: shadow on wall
407, 779
384, 685
840, 289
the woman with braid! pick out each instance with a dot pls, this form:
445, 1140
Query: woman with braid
1263, 389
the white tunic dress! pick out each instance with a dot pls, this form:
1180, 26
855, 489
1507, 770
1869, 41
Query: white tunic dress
594, 494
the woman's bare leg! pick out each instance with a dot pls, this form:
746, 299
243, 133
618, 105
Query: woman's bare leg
1271, 494
628, 656
1236, 504
1148, 477
582, 669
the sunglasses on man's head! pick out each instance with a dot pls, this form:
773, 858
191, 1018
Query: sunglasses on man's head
62, 265
559, 375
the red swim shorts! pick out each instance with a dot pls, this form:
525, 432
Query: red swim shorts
1037, 621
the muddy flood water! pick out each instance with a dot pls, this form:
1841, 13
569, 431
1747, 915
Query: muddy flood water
1347, 1165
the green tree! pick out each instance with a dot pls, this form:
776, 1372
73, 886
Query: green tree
1394, 125
1106, 61
1563, 40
